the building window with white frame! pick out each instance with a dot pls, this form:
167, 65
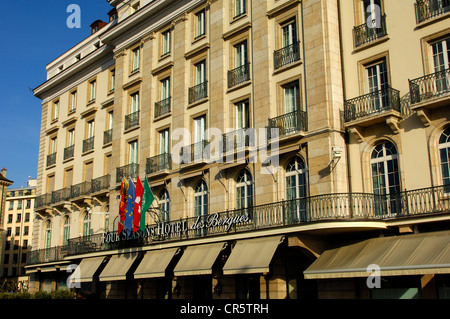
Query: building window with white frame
244, 190
73, 101
291, 97
55, 110
240, 54
87, 224
377, 85
440, 51
444, 156
296, 190
239, 8
200, 24
136, 59
48, 235
165, 42
92, 90
133, 152
66, 230
201, 199
164, 205
385, 179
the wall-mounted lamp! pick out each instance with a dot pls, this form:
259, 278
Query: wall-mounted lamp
336, 152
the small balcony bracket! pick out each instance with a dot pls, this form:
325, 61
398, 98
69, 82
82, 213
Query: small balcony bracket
392, 122
423, 116
356, 132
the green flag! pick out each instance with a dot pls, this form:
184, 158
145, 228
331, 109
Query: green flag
147, 200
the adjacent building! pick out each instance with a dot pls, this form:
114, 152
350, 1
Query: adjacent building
289, 145
19, 211
4, 183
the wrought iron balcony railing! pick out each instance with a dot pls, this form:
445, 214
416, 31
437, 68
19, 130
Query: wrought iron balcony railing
195, 153
430, 86
80, 189
238, 139
159, 163
371, 104
60, 195
42, 201
100, 183
69, 152
88, 144
343, 207
107, 137
198, 92
162, 107
369, 31
287, 55
429, 9
127, 171
51, 159
239, 75
131, 120
292, 122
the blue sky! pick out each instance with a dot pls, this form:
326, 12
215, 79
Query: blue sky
32, 33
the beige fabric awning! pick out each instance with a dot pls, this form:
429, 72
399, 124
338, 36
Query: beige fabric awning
198, 260
252, 256
419, 254
154, 263
117, 267
88, 267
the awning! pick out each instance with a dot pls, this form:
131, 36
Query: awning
198, 260
88, 267
427, 253
252, 256
117, 267
154, 263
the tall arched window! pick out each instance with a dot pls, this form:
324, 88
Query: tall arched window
201, 199
296, 189
444, 152
66, 230
164, 205
87, 224
385, 178
244, 190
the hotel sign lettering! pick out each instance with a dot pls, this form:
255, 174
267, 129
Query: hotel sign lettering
159, 230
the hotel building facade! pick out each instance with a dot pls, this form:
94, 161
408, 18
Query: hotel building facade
294, 148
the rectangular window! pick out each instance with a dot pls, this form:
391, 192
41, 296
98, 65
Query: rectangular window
164, 141
10, 216
90, 129
165, 89
165, 42
53, 143
134, 102
200, 72
291, 97
55, 110
377, 77
71, 137
441, 55
133, 152
288, 34
240, 54
242, 115
239, 8
136, 59
11, 206
73, 101
92, 90
112, 80
200, 24
28, 205
199, 129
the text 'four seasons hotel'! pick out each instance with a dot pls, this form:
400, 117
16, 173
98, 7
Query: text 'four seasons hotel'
294, 149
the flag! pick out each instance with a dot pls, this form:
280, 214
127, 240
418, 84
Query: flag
130, 206
147, 200
137, 205
123, 204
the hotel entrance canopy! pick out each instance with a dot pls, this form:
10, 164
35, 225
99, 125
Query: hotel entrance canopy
251, 256
419, 254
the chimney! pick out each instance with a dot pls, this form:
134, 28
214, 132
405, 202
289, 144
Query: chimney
3, 172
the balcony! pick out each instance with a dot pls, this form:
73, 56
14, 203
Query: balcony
198, 92
287, 55
60, 195
51, 159
159, 163
69, 152
162, 107
237, 140
430, 91
127, 171
107, 137
430, 9
342, 207
239, 75
100, 184
195, 153
288, 123
373, 108
365, 33
88, 144
42, 201
131, 120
